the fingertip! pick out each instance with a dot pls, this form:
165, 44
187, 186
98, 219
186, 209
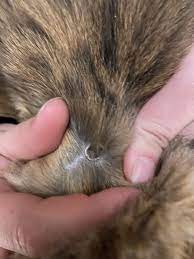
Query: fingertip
138, 168
142, 171
48, 127
53, 113
54, 108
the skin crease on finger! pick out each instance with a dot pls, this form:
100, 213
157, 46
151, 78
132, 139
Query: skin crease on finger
160, 120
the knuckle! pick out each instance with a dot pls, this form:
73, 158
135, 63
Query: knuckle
19, 240
26, 244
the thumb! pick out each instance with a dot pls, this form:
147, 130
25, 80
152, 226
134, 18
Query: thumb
159, 121
37, 136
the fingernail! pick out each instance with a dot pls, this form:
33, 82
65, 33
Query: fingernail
143, 170
48, 103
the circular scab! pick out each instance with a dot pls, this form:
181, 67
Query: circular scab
94, 152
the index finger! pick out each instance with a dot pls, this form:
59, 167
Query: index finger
36, 227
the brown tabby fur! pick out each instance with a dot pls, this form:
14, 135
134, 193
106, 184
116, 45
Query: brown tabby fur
105, 58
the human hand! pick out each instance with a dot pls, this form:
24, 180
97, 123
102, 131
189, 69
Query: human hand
160, 120
31, 225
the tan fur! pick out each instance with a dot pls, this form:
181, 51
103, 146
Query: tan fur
105, 58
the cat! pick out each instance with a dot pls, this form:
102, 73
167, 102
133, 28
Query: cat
106, 59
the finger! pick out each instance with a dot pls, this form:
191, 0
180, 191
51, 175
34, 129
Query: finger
160, 120
37, 136
4, 254
5, 127
34, 227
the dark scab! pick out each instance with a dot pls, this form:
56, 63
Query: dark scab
94, 152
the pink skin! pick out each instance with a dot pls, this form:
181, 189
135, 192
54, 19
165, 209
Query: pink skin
31, 225
159, 121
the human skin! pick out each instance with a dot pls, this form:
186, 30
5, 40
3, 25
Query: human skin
164, 116
31, 225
